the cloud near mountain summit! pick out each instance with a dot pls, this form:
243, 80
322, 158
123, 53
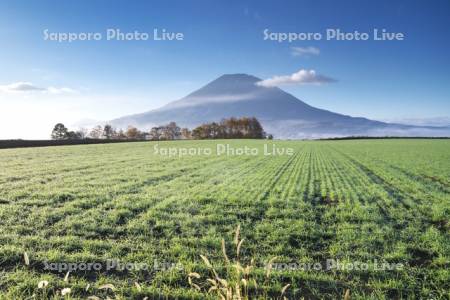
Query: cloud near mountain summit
301, 77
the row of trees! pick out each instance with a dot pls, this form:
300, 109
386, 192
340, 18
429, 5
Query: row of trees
233, 128
227, 129
60, 132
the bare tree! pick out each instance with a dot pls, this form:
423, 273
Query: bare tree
174, 131
121, 135
96, 132
155, 133
186, 133
82, 133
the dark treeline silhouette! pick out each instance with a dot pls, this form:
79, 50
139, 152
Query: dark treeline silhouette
362, 137
4, 144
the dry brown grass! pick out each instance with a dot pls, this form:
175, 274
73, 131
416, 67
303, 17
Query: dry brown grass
239, 278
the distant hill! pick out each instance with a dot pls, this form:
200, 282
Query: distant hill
280, 113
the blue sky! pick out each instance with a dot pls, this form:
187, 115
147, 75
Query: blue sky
100, 80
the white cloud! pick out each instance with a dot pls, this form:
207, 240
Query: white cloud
304, 51
61, 90
25, 87
20, 87
300, 78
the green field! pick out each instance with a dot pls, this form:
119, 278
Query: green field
361, 201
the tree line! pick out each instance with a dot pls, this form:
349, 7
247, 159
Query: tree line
232, 128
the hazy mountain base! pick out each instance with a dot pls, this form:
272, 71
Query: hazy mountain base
295, 129
301, 129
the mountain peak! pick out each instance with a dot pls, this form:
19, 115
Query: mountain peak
228, 84
238, 76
